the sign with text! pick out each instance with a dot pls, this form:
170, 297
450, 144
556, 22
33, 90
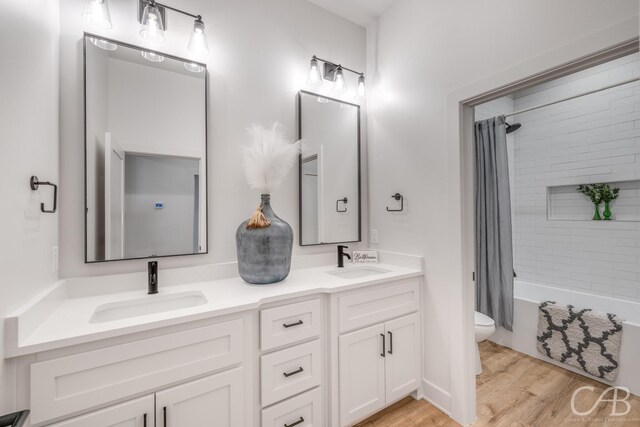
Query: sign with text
365, 257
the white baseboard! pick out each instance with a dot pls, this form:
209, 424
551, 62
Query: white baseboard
435, 395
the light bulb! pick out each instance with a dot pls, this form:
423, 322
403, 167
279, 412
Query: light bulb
96, 13
103, 44
152, 28
152, 56
315, 79
361, 91
339, 83
193, 67
198, 40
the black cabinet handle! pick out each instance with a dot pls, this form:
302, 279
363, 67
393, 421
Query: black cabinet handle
297, 371
144, 420
288, 325
390, 342
383, 345
164, 415
300, 421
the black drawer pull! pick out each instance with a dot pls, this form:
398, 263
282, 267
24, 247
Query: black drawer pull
300, 421
145, 420
383, 345
288, 325
390, 342
164, 412
297, 371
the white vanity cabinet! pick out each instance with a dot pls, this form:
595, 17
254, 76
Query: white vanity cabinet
135, 413
77, 382
217, 399
378, 364
194, 404
319, 351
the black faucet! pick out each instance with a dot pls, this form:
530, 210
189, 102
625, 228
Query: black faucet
153, 277
342, 254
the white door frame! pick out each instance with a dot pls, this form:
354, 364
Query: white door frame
112, 147
599, 47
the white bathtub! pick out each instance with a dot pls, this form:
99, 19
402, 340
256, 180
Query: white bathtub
525, 327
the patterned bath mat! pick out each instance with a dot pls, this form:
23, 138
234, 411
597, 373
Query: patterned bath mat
581, 338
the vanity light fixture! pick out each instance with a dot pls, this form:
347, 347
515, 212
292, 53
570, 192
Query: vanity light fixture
152, 26
153, 22
339, 84
96, 13
198, 40
103, 44
152, 56
334, 73
361, 91
315, 79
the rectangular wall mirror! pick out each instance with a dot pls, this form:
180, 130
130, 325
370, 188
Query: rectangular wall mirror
145, 153
329, 170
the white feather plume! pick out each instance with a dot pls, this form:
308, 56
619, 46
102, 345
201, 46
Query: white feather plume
268, 158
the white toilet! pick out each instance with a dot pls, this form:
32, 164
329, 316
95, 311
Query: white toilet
485, 327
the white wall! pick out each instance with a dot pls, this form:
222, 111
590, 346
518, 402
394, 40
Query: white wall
591, 139
420, 53
259, 59
29, 146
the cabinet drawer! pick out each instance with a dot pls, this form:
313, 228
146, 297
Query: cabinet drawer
81, 381
290, 323
358, 309
304, 410
290, 371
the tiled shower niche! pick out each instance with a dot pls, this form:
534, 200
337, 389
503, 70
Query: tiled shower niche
564, 203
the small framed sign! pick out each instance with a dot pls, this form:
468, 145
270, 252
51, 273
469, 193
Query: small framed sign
365, 257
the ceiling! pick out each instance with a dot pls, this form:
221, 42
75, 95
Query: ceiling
362, 12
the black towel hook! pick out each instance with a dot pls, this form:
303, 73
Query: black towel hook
345, 200
400, 198
35, 184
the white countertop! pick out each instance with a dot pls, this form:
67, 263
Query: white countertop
68, 320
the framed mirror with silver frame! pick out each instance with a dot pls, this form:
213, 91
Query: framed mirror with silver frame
145, 153
329, 170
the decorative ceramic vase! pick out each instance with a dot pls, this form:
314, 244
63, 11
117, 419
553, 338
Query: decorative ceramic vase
607, 212
264, 254
596, 216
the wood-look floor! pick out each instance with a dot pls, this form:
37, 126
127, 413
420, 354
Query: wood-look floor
517, 390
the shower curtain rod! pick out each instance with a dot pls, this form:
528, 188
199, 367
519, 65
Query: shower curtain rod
635, 79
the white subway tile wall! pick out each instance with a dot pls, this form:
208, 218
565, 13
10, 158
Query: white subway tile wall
591, 139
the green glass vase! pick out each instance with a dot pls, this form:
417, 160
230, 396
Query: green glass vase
607, 212
596, 216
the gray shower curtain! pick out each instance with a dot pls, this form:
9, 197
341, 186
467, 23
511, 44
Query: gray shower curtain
494, 248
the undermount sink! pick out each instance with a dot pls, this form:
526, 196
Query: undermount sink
151, 304
357, 272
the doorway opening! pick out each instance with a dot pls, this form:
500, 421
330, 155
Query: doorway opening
551, 202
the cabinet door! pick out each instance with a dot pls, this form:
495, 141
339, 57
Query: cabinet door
403, 357
362, 390
215, 400
134, 413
